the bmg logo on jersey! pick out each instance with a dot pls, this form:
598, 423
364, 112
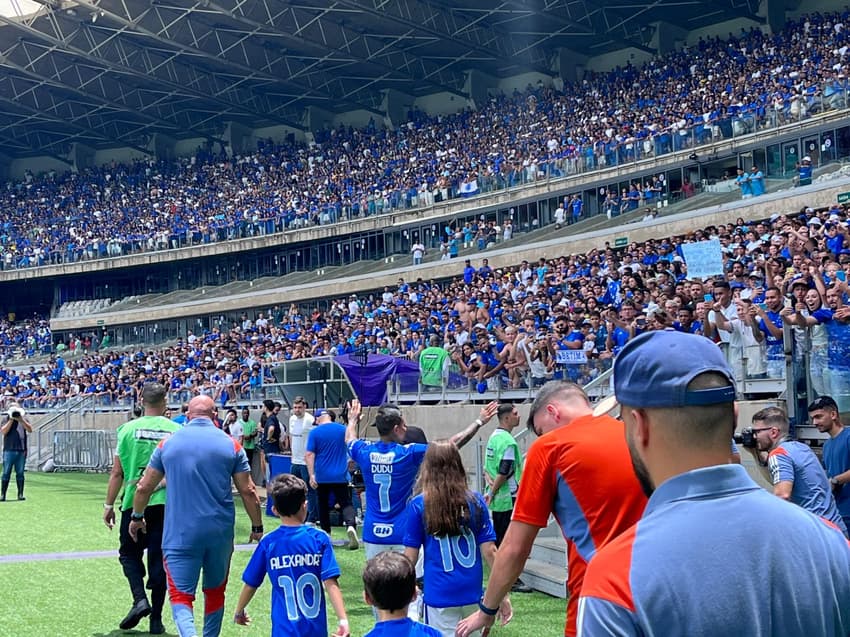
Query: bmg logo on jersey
382, 530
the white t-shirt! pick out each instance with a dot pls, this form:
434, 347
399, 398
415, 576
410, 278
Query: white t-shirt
299, 429
237, 431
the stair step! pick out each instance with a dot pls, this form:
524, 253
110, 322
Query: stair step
550, 550
546, 578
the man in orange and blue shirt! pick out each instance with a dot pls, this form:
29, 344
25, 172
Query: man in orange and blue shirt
578, 470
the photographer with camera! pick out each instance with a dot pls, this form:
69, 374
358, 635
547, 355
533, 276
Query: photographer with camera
14, 431
791, 466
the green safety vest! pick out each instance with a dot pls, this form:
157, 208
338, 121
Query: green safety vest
248, 427
499, 443
431, 363
137, 440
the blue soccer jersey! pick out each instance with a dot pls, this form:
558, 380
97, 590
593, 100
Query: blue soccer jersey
297, 560
836, 457
402, 628
389, 472
795, 462
453, 565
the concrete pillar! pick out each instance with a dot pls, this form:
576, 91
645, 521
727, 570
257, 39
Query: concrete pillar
81, 156
5, 162
774, 12
238, 137
395, 106
317, 119
667, 37
569, 65
477, 87
162, 146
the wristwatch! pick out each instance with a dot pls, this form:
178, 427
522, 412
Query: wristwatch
834, 482
137, 517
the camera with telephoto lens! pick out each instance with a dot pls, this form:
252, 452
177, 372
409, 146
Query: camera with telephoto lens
747, 438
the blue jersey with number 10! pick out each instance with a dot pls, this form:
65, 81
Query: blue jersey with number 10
453, 568
297, 560
389, 472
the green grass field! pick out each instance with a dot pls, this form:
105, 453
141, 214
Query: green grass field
88, 597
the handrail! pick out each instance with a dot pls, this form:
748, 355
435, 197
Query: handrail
45, 431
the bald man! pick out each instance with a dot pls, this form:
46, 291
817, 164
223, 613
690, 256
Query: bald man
199, 462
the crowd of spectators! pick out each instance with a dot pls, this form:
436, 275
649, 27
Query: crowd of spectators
517, 326
24, 338
713, 89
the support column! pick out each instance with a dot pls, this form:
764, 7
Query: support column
238, 137
5, 162
569, 66
162, 146
477, 87
81, 156
667, 37
774, 12
395, 106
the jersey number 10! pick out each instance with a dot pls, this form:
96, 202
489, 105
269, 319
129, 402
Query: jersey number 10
303, 596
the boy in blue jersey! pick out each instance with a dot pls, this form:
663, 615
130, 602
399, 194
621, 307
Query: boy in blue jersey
296, 558
389, 584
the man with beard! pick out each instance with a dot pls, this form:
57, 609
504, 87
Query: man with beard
579, 471
677, 395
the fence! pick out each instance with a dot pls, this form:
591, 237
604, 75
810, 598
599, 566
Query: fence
81, 449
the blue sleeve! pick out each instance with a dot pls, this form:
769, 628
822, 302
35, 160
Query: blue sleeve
330, 568
256, 569
601, 618
485, 532
418, 450
781, 467
311, 441
355, 449
735, 447
414, 535
241, 464
156, 460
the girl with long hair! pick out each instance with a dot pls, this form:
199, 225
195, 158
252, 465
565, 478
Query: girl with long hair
452, 525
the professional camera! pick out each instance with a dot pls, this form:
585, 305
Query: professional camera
747, 438
16, 412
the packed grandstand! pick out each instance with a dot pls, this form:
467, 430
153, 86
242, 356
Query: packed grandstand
502, 327
715, 89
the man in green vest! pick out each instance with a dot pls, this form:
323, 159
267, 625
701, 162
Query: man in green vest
432, 363
137, 440
502, 471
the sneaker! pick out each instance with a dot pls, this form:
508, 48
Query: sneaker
353, 542
21, 498
140, 610
521, 587
156, 627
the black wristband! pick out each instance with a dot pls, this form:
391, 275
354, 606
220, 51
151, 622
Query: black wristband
487, 611
138, 517
257, 529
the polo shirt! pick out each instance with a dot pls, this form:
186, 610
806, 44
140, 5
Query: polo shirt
667, 575
199, 461
795, 462
582, 473
836, 458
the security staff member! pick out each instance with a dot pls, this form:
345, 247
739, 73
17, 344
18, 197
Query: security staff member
137, 440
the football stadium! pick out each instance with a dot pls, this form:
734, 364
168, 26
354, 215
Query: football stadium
549, 296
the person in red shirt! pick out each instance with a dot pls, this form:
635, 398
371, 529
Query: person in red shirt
580, 471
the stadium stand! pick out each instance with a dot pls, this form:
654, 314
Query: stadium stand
716, 89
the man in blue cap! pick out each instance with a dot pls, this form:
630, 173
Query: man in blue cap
676, 393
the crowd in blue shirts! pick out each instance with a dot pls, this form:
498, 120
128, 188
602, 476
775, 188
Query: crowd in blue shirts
517, 326
713, 89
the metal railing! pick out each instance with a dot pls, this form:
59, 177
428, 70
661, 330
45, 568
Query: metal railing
83, 450
43, 436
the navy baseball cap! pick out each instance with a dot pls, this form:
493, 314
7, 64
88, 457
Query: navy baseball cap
318, 413
654, 370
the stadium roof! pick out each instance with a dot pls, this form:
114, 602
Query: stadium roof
113, 72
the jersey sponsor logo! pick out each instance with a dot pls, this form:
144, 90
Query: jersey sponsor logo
150, 434
382, 530
381, 458
292, 561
